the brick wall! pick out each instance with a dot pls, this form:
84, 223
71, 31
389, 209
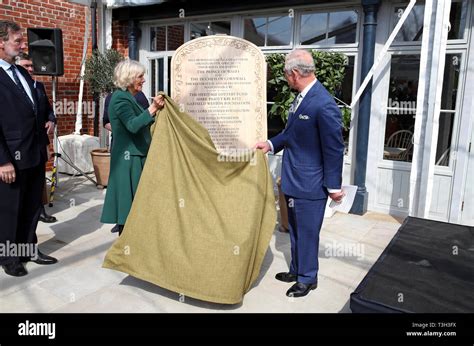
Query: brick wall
119, 36
71, 19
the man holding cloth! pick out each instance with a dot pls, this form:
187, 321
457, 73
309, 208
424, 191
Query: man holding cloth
311, 168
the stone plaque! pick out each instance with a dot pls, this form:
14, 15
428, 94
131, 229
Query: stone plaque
220, 80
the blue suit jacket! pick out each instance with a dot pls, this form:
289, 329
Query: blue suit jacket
314, 148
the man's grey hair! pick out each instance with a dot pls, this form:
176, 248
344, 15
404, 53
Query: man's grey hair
6, 27
299, 60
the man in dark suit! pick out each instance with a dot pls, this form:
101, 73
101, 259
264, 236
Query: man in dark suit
44, 110
311, 167
142, 101
23, 143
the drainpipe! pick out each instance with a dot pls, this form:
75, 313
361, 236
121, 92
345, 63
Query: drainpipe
132, 40
363, 122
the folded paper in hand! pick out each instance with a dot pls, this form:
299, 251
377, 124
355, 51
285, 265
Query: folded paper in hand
346, 204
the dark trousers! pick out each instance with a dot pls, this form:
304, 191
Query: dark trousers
305, 218
20, 209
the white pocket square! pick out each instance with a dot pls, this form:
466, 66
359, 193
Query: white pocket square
303, 117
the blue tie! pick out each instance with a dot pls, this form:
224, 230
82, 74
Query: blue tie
20, 86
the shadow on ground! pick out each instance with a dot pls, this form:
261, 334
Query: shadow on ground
152, 288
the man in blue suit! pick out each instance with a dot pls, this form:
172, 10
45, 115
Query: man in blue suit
311, 168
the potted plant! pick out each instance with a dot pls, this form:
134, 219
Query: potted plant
330, 70
99, 71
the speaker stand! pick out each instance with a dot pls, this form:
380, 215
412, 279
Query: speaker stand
57, 155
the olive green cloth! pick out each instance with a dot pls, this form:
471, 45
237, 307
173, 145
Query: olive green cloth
198, 226
131, 130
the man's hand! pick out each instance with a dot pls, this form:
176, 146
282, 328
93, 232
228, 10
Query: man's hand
7, 173
264, 146
337, 196
108, 127
49, 126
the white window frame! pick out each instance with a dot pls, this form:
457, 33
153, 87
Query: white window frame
418, 43
326, 46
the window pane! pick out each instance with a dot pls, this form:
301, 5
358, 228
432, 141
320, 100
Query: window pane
450, 82
344, 92
160, 73
158, 39
404, 74
412, 29
175, 36
446, 123
457, 19
153, 77
168, 91
255, 30
448, 102
342, 27
399, 135
279, 31
313, 28
209, 28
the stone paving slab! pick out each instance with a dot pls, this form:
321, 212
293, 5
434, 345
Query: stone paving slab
349, 246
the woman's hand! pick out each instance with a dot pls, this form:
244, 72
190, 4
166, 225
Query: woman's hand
157, 104
159, 100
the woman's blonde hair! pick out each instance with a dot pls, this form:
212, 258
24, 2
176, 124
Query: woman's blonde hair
126, 71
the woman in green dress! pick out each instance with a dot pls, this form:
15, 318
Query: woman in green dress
131, 127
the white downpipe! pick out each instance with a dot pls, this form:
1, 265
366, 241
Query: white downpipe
78, 126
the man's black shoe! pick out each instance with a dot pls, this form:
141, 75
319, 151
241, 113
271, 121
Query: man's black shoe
286, 277
300, 289
41, 258
15, 269
47, 218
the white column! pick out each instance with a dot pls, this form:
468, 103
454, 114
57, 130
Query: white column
432, 61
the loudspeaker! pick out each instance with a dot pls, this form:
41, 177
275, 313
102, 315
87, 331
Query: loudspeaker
45, 47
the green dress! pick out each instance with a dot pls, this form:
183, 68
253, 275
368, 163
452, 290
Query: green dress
131, 130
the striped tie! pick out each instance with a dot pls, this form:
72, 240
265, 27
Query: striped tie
20, 86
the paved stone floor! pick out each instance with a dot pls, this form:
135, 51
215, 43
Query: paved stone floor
349, 246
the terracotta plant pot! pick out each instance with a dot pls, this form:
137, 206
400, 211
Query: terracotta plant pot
101, 163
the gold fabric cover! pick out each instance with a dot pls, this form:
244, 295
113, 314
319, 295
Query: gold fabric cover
200, 223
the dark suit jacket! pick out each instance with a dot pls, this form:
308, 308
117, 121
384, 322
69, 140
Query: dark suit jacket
23, 138
44, 106
314, 149
45, 109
